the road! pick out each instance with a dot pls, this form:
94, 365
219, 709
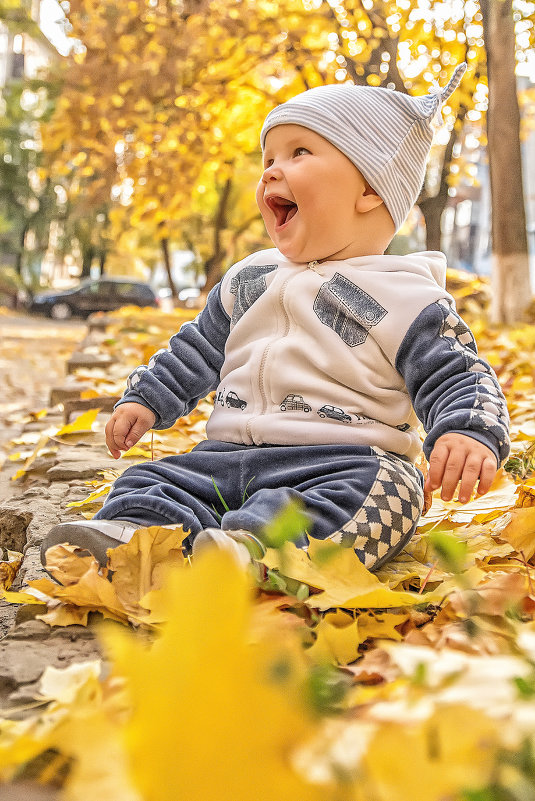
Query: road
33, 352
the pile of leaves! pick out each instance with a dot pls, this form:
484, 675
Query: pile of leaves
305, 676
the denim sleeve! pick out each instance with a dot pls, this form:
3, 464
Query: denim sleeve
177, 377
452, 389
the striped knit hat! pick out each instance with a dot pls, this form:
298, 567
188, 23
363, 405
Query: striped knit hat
386, 134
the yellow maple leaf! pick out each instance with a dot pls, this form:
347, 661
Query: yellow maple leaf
338, 644
137, 573
340, 574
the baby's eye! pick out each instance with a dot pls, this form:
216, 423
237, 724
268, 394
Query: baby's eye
300, 150
268, 163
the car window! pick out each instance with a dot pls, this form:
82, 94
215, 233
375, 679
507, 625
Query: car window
90, 289
125, 289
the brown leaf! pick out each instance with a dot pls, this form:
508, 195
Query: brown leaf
375, 667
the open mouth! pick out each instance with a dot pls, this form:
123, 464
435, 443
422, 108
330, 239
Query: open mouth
283, 209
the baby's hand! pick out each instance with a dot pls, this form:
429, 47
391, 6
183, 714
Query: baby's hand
455, 458
126, 426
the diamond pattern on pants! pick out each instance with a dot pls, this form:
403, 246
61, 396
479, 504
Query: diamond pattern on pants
386, 519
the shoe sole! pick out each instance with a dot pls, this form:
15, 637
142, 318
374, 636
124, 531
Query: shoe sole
85, 537
205, 540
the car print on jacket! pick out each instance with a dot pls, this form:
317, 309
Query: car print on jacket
294, 403
334, 413
233, 400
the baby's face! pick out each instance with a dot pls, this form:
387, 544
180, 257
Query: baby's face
307, 195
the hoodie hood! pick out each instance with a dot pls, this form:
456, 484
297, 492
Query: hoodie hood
430, 264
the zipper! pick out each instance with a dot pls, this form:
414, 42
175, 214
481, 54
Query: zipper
263, 360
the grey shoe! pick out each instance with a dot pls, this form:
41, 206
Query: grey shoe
243, 545
93, 536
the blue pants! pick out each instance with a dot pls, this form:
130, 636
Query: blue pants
360, 496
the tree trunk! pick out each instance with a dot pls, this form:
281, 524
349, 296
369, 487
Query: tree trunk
167, 262
214, 264
511, 293
102, 262
433, 207
19, 258
87, 260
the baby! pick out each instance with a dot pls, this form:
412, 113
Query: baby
323, 353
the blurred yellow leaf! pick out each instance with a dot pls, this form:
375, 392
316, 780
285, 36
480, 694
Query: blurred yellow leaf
432, 760
83, 422
243, 719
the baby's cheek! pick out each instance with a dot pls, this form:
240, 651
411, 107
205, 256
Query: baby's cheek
260, 199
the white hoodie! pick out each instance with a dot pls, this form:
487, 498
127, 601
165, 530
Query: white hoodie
327, 333
331, 352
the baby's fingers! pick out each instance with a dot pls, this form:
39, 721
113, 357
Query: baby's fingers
117, 431
437, 463
488, 471
471, 472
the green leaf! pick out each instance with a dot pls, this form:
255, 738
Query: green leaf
287, 526
450, 551
223, 501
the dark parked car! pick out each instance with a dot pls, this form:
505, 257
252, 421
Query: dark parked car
103, 294
335, 413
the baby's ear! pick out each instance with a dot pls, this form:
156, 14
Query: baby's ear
368, 199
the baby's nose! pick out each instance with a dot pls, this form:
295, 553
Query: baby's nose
271, 173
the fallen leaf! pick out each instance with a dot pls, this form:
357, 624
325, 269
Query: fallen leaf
342, 577
8, 571
520, 532
101, 493
84, 422
453, 748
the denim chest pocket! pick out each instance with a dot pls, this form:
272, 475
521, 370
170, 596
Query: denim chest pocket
248, 285
347, 309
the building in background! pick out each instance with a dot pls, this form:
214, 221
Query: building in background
23, 55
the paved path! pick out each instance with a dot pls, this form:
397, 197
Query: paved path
33, 352
33, 355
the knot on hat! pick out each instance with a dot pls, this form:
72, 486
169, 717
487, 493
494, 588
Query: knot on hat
442, 94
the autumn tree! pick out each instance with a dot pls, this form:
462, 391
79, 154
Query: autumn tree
162, 105
27, 203
156, 95
510, 260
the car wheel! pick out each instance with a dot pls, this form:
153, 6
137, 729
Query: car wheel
283, 407
242, 406
307, 409
60, 311
321, 414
